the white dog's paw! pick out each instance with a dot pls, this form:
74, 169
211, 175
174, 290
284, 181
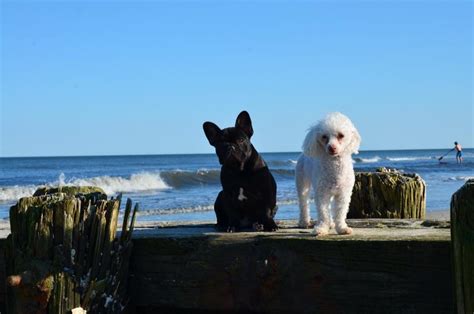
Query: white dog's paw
344, 230
321, 230
305, 223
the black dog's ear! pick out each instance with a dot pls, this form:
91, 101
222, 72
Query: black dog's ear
212, 131
244, 123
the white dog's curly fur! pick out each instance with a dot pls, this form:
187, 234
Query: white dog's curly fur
326, 164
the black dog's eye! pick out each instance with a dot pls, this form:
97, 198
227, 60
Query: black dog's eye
240, 140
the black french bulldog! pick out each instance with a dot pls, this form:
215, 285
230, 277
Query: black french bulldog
248, 196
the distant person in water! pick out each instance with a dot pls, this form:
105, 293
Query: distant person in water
458, 149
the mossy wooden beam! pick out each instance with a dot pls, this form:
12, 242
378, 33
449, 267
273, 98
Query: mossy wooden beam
462, 234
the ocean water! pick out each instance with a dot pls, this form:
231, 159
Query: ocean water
184, 187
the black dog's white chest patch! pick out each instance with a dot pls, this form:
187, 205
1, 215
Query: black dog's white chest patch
241, 197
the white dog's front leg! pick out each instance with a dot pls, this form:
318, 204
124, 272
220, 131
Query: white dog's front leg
303, 187
340, 210
323, 201
305, 218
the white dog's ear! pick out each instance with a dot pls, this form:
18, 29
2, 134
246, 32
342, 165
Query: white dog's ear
355, 141
311, 146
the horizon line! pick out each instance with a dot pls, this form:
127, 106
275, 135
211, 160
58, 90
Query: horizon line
176, 154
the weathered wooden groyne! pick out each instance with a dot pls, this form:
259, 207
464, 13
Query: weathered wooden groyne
385, 266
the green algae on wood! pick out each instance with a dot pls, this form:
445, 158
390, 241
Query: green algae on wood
462, 235
87, 191
388, 194
63, 252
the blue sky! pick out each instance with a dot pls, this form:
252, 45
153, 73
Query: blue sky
92, 78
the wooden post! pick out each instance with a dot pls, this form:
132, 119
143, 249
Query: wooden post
63, 253
462, 238
388, 194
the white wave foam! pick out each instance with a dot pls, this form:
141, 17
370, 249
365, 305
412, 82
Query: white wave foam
408, 158
15, 192
458, 178
138, 182
289, 202
367, 160
203, 171
293, 162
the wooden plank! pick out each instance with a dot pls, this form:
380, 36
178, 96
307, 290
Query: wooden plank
382, 268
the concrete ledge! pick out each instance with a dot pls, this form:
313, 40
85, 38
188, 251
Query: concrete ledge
385, 266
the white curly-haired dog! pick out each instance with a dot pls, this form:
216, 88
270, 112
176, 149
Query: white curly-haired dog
326, 164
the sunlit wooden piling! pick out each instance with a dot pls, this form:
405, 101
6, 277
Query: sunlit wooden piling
63, 252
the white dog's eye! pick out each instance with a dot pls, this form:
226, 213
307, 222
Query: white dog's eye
325, 138
340, 136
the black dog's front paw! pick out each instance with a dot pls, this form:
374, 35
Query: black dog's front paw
270, 226
229, 229
257, 227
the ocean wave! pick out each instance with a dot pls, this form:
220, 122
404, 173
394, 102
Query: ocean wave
186, 178
392, 159
283, 172
458, 178
138, 182
135, 183
289, 201
183, 178
367, 160
197, 209
15, 192
408, 158
173, 211
275, 163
